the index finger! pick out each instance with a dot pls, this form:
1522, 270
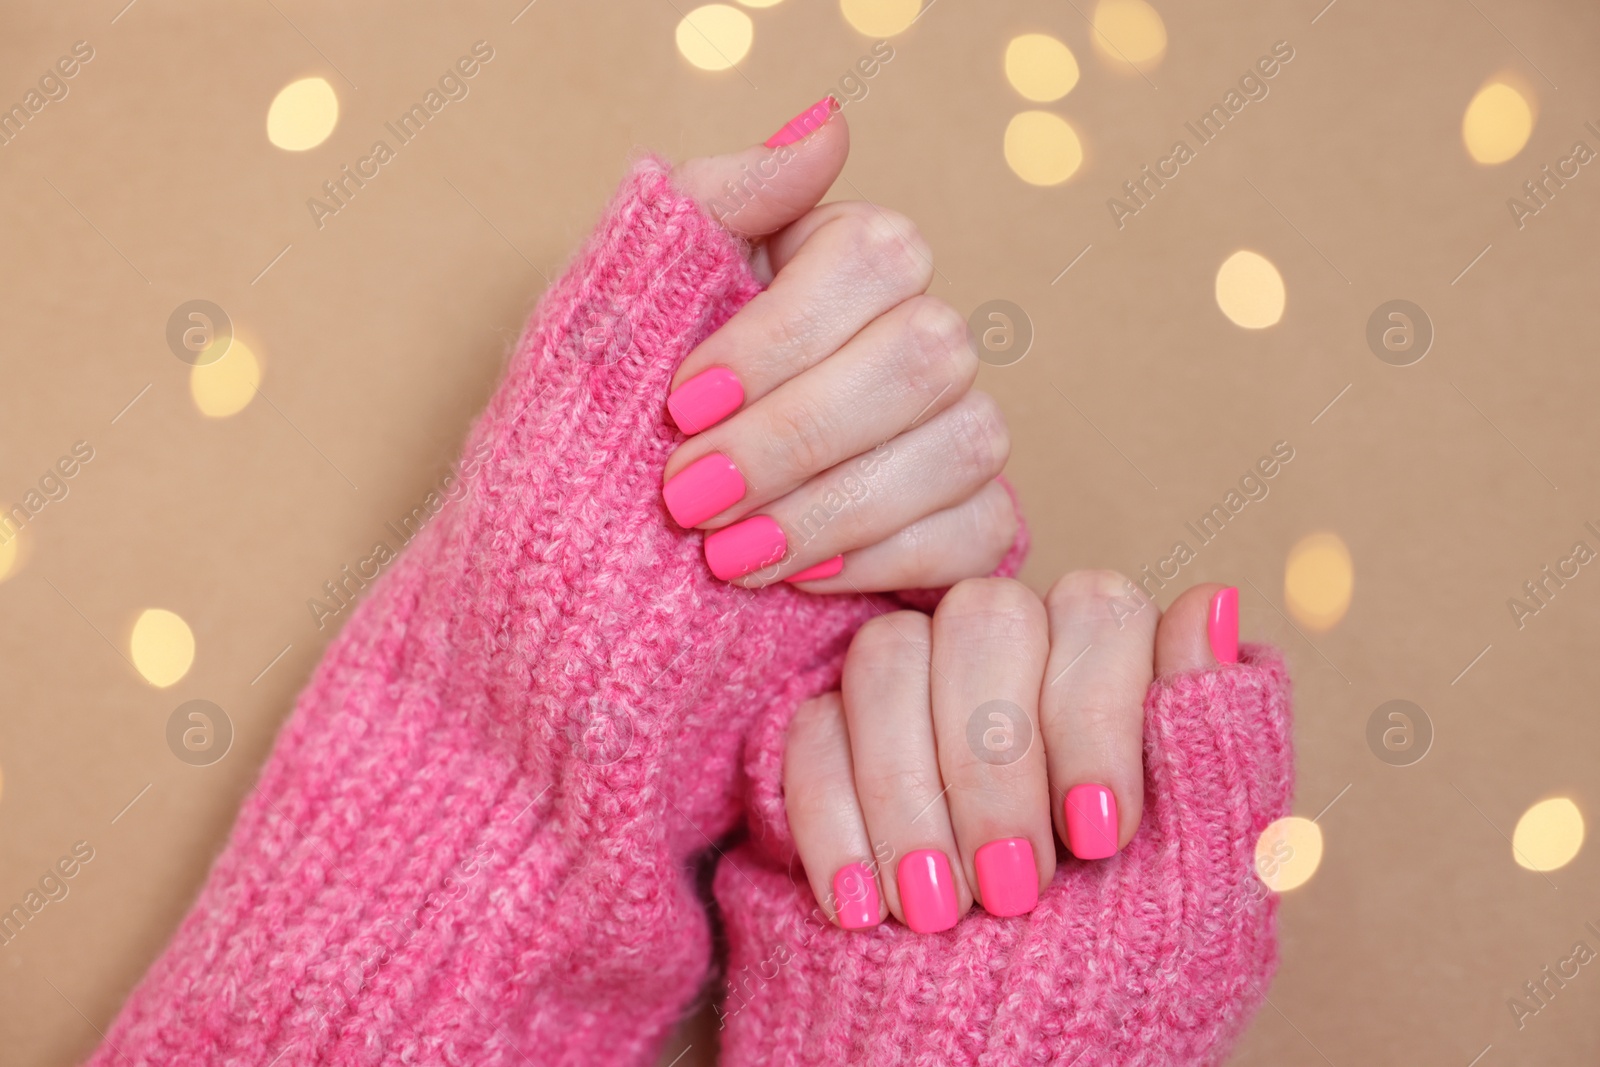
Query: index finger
853, 265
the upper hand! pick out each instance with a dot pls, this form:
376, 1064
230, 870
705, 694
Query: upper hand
834, 415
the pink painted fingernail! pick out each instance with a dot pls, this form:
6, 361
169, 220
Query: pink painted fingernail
855, 897
927, 891
826, 569
705, 400
1008, 880
708, 486
804, 124
736, 550
1091, 822
1222, 625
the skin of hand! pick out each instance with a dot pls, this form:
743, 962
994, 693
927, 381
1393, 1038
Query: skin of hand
834, 415
962, 745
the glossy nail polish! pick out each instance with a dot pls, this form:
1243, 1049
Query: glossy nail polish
1091, 822
1008, 879
708, 486
1222, 625
927, 891
734, 551
804, 124
705, 400
826, 569
855, 897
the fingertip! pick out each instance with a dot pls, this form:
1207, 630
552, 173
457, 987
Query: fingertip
758, 190
1199, 631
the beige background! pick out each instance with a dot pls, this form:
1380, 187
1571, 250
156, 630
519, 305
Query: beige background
381, 334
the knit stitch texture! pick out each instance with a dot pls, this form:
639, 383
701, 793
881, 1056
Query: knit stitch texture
474, 840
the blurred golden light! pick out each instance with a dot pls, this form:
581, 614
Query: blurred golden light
880, 18
759, 3
1548, 835
1129, 31
1250, 290
1042, 148
715, 37
1317, 581
10, 549
1498, 122
1040, 67
303, 114
162, 646
1288, 853
227, 386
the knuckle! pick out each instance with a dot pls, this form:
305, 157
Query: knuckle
884, 788
1105, 595
886, 641
996, 517
806, 433
890, 243
999, 603
982, 440
937, 341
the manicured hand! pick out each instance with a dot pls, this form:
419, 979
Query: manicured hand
835, 437
964, 745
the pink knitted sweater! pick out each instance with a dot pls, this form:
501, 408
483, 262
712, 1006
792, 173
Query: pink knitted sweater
475, 840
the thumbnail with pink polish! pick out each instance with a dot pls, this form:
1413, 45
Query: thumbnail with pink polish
804, 124
927, 891
1222, 625
736, 550
855, 897
1008, 879
708, 486
705, 400
1091, 822
826, 569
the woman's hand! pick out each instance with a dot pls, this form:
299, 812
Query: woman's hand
836, 439
963, 745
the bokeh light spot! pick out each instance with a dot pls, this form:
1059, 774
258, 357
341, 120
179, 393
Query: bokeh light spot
1288, 853
1548, 835
162, 647
1317, 581
715, 37
10, 549
1498, 122
880, 18
303, 114
1129, 31
1042, 148
227, 386
1040, 67
1250, 290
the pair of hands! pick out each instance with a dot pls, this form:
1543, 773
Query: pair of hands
837, 442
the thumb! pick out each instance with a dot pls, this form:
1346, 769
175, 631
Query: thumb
763, 188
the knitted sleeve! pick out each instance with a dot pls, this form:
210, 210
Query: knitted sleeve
474, 840
1158, 956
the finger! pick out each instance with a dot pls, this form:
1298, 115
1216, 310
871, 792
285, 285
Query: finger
765, 187
896, 769
1199, 631
856, 265
860, 502
990, 640
1102, 645
906, 366
829, 832
965, 541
